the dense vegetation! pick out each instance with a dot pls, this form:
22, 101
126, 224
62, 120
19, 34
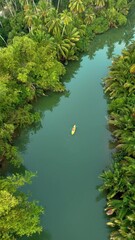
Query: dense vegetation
119, 181
18, 216
37, 40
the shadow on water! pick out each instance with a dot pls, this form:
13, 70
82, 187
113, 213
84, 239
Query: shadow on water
44, 235
72, 69
43, 104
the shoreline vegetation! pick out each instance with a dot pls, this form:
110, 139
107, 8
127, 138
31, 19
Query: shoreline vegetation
37, 41
119, 180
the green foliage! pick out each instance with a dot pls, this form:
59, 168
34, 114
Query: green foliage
29, 15
44, 18
118, 181
121, 19
76, 6
18, 216
132, 69
5, 28
18, 27
28, 69
99, 25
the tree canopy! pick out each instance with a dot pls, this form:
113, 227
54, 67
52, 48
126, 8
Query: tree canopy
18, 216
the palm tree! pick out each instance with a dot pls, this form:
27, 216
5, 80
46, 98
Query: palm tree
43, 8
76, 6
66, 45
72, 34
63, 47
53, 22
65, 18
58, 5
89, 16
100, 3
30, 17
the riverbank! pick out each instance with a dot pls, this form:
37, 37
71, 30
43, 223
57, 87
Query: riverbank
119, 179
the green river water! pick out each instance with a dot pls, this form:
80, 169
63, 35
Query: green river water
68, 167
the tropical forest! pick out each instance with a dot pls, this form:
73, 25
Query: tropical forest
67, 119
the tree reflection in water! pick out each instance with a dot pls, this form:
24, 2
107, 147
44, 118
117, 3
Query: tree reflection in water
118, 35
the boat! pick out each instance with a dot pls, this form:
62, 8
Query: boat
110, 211
73, 130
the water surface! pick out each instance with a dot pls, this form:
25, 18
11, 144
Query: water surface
68, 167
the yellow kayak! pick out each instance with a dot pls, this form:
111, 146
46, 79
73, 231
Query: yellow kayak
73, 130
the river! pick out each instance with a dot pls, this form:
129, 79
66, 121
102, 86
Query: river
68, 167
